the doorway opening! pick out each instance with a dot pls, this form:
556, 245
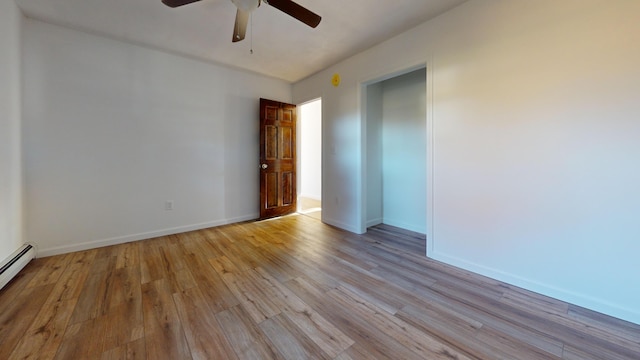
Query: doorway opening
310, 158
395, 131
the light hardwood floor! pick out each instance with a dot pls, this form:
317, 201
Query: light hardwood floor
289, 288
311, 207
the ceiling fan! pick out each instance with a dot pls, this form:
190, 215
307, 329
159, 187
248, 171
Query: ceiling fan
245, 7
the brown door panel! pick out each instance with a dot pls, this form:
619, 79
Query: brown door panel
277, 158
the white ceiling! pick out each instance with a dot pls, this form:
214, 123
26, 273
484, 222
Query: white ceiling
282, 47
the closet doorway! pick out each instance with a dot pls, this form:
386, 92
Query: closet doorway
396, 151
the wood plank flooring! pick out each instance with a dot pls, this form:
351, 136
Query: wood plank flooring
288, 288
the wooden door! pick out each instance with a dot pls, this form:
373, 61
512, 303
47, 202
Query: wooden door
277, 158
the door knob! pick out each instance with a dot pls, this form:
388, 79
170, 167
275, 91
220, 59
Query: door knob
264, 166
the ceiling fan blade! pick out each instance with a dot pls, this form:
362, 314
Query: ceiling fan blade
176, 3
240, 28
297, 11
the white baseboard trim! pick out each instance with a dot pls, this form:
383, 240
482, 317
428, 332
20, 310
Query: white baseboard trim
341, 225
63, 249
311, 197
12, 265
585, 301
374, 222
404, 225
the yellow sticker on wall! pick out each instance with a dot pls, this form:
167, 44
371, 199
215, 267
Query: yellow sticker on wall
335, 79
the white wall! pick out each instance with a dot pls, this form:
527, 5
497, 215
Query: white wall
404, 146
113, 130
310, 127
534, 143
11, 224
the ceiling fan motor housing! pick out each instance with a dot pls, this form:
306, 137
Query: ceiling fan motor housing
246, 5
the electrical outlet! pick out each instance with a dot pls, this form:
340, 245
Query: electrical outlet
168, 205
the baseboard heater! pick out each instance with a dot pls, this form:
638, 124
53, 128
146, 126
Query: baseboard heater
16, 262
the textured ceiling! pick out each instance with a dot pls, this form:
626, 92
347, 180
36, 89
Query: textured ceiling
282, 47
